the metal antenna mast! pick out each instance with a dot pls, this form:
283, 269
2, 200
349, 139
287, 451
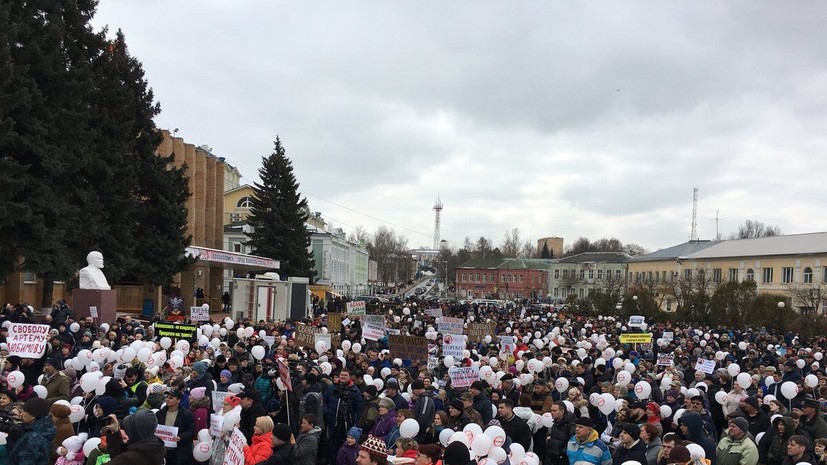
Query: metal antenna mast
437, 212
693, 236
717, 220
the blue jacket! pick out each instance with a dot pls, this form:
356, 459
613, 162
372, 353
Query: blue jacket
333, 403
35, 445
593, 451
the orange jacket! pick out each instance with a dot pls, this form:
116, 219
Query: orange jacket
260, 450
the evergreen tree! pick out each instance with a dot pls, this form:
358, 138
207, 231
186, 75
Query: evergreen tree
545, 253
278, 215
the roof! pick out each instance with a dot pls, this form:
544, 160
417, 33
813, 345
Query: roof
597, 257
243, 186
792, 244
676, 251
508, 264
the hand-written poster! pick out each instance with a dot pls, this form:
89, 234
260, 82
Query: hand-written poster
27, 340
477, 331
448, 325
373, 327
463, 376
167, 434
408, 347
235, 449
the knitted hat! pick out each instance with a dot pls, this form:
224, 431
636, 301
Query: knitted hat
355, 432
264, 423
741, 423
387, 403
586, 421
36, 407
233, 401
376, 446
417, 384
226, 374
751, 401
456, 454
60, 411
73, 444
457, 404
282, 431
198, 393
631, 429
200, 367
371, 390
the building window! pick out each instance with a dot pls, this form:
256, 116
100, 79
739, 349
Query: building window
582, 293
786, 274
733, 274
687, 275
463, 277
245, 202
657, 276
767, 278
617, 274
591, 292
502, 277
565, 274
808, 275
600, 274
491, 276
582, 274
556, 274
478, 278
649, 276
556, 292
484, 277
29, 277
591, 274
716, 275
750, 275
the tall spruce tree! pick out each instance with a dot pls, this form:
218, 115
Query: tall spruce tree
78, 169
278, 216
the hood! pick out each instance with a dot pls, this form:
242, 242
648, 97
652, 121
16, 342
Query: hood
108, 405
152, 449
198, 403
140, 425
789, 426
315, 430
694, 424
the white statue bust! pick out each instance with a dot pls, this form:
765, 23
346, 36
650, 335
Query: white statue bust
91, 277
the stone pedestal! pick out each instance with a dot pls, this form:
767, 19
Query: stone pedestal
106, 302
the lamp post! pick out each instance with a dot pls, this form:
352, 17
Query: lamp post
781, 306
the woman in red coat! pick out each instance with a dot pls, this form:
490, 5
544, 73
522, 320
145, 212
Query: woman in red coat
262, 446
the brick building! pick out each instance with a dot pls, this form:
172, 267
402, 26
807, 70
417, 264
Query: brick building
504, 278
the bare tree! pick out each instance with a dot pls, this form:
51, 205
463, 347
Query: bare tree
529, 250
483, 248
634, 249
752, 229
389, 251
807, 297
359, 235
510, 246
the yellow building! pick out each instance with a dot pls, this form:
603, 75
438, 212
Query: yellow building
794, 265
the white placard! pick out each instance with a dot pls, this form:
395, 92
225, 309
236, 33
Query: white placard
27, 340
373, 328
235, 449
93, 311
463, 376
216, 425
668, 336
218, 399
199, 314
449, 325
453, 344
356, 307
707, 366
167, 434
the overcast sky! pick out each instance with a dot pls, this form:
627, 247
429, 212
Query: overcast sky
571, 119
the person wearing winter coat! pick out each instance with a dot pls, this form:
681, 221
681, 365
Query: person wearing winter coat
405, 451
650, 437
784, 429
482, 403
691, 428
261, 448
63, 427
559, 434
56, 383
631, 447
200, 408
33, 445
282, 449
585, 446
350, 449
172, 414
515, 427
424, 407
306, 446
386, 419
798, 451
736, 447
457, 419
142, 447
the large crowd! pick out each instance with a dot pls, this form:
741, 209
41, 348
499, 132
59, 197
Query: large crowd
550, 388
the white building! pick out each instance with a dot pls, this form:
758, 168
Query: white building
340, 264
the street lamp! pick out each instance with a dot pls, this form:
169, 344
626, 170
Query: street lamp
781, 306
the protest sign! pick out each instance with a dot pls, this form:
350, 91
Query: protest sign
175, 331
477, 331
373, 327
392, 331
218, 399
305, 335
284, 375
408, 347
668, 336
334, 321
216, 425
270, 340
357, 308
636, 338
27, 340
93, 311
167, 434
448, 325
463, 376
453, 345
433, 362
434, 312
234, 454
707, 366
507, 345
666, 360
199, 314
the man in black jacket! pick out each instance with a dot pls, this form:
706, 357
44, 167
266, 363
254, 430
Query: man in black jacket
482, 403
631, 447
251, 409
515, 427
559, 434
171, 415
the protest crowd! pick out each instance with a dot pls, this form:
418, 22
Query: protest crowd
407, 385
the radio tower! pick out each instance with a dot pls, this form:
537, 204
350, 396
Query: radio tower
693, 236
437, 211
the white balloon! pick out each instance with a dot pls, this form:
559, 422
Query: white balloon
448, 361
258, 352
183, 345
623, 377
643, 390
202, 451
497, 435
88, 382
74, 327
15, 379
445, 435
409, 428
721, 397
497, 454
472, 430
166, 342
665, 411
40, 391
789, 389
733, 369
744, 380
461, 437
481, 445
606, 404
561, 384
811, 380
101, 388
76, 413
356, 347
90, 445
